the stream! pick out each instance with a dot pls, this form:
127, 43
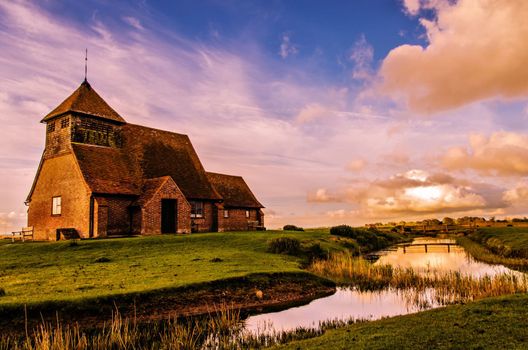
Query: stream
351, 304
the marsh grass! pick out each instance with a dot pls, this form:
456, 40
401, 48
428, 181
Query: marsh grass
481, 253
222, 328
418, 286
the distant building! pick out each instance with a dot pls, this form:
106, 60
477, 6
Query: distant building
102, 176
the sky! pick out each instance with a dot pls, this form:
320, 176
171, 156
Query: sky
333, 111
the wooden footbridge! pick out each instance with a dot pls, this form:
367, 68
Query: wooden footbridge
427, 245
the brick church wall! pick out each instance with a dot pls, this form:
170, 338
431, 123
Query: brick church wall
58, 134
151, 212
59, 176
207, 222
118, 216
112, 216
237, 220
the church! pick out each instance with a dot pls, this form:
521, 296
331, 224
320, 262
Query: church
100, 176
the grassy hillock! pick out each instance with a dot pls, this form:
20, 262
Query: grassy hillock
33, 273
510, 242
499, 245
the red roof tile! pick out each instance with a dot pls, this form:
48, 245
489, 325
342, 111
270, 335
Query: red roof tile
234, 190
105, 170
86, 101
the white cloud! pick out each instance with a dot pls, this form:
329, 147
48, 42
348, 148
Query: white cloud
134, 22
415, 192
476, 50
501, 153
287, 48
361, 55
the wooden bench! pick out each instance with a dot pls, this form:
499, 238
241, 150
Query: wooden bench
22, 234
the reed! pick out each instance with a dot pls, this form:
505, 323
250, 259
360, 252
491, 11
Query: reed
222, 328
442, 287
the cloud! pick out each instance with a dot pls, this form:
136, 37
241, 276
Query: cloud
12, 221
356, 165
501, 153
311, 112
323, 196
518, 194
134, 22
411, 7
286, 47
361, 55
477, 49
416, 192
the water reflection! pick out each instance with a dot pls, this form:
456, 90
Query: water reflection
438, 257
348, 303
345, 304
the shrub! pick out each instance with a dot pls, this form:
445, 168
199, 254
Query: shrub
284, 245
342, 230
368, 239
292, 228
2, 292
315, 252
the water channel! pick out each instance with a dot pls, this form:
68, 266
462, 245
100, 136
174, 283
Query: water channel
426, 254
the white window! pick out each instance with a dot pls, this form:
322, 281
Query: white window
56, 206
196, 209
247, 213
226, 213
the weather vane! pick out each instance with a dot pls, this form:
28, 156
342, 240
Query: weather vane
86, 65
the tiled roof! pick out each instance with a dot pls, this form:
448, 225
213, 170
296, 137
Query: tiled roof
86, 101
146, 154
234, 190
158, 153
106, 170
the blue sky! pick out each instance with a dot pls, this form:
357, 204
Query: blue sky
334, 112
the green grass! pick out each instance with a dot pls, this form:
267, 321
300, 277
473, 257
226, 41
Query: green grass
499, 245
509, 242
40, 272
497, 323
481, 253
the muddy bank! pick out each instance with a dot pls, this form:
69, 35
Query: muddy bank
251, 294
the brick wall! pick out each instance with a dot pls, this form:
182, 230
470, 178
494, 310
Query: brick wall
58, 134
100, 215
207, 222
111, 216
237, 220
151, 211
59, 176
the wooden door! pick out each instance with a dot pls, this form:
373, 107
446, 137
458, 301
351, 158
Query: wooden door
168, 216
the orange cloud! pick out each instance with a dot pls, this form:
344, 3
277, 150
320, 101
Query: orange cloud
477, 50
517, 195
502, 153
416, 192
356, 165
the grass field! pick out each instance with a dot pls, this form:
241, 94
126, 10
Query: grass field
496, 323
511, 242
33, 273
499, 245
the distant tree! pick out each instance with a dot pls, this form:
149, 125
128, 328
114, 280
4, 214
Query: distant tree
448, 221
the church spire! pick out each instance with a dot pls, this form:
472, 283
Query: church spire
86, 66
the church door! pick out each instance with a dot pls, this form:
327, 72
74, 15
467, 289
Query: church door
168, 215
